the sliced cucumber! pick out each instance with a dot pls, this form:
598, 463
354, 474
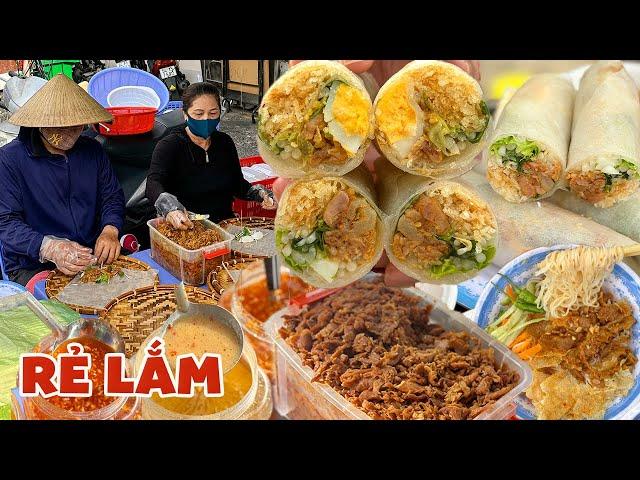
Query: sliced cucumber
325, 268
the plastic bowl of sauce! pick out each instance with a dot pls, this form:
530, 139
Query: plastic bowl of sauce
247, 392
96, 407
252, 305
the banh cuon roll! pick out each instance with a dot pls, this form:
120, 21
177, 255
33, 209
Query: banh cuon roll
604, 155
436, 231
529, 146
316, 118
431, 119
329, 229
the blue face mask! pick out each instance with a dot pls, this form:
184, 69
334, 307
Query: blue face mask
202, 128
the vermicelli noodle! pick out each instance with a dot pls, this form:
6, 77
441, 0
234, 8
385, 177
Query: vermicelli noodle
573, 278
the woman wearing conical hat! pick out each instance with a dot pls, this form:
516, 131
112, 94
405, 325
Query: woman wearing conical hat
60, 201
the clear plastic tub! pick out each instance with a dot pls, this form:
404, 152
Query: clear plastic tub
190, 266
257, 404
38, 408
297, 397
254, 327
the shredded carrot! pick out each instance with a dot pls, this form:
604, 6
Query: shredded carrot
523, 336
522, 346
510, 293
530, 352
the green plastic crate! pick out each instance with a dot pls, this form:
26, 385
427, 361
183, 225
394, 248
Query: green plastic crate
54, 67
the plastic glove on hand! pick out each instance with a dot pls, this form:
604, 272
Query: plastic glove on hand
179, 219
261, 194
70, 257
268, 201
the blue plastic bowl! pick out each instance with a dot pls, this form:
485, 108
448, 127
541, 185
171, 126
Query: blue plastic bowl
622, 283
8, 288
172, 105
106, 80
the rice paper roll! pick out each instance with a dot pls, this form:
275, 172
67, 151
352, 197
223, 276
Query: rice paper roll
528, 152
315, 119
329, 229
253, 242
604, 155
623, 217
431, 119
436, 231
525, 226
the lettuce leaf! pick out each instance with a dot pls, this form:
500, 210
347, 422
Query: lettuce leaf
475, 137
514, 150
445, 268
628, 168
449, 266
302, 255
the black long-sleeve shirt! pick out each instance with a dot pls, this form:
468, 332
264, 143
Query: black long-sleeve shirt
179, 167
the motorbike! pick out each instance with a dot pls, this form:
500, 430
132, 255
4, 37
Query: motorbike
166, 70
139, 64
169, 72
86, 69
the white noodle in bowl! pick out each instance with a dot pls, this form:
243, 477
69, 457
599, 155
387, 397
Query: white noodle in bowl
622, 283
572, 278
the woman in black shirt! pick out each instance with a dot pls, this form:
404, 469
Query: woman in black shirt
196, 167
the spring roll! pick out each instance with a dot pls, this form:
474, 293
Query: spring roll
431, 120
604, 155
329, 229
531, 225
529, 146
316, 118
436, 231
623, 217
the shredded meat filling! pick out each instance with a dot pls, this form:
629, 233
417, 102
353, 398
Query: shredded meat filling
197, 237
592, 343
337, 206
424, 151
417, 228
589, 186
538, 178
95, 274
325, 150
354, 233
375, 346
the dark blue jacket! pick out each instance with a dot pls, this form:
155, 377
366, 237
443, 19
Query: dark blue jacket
45, 194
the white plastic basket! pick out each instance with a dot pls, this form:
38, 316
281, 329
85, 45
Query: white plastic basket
133, 96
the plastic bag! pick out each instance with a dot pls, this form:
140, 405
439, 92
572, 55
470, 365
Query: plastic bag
20, 331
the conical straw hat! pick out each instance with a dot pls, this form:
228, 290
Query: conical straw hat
60, 103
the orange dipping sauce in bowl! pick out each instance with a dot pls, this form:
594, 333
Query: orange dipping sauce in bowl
258, 304
97, 400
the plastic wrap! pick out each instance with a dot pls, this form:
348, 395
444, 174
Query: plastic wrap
20, 331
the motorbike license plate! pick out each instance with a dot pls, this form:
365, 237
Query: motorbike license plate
124, 63
168, 72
